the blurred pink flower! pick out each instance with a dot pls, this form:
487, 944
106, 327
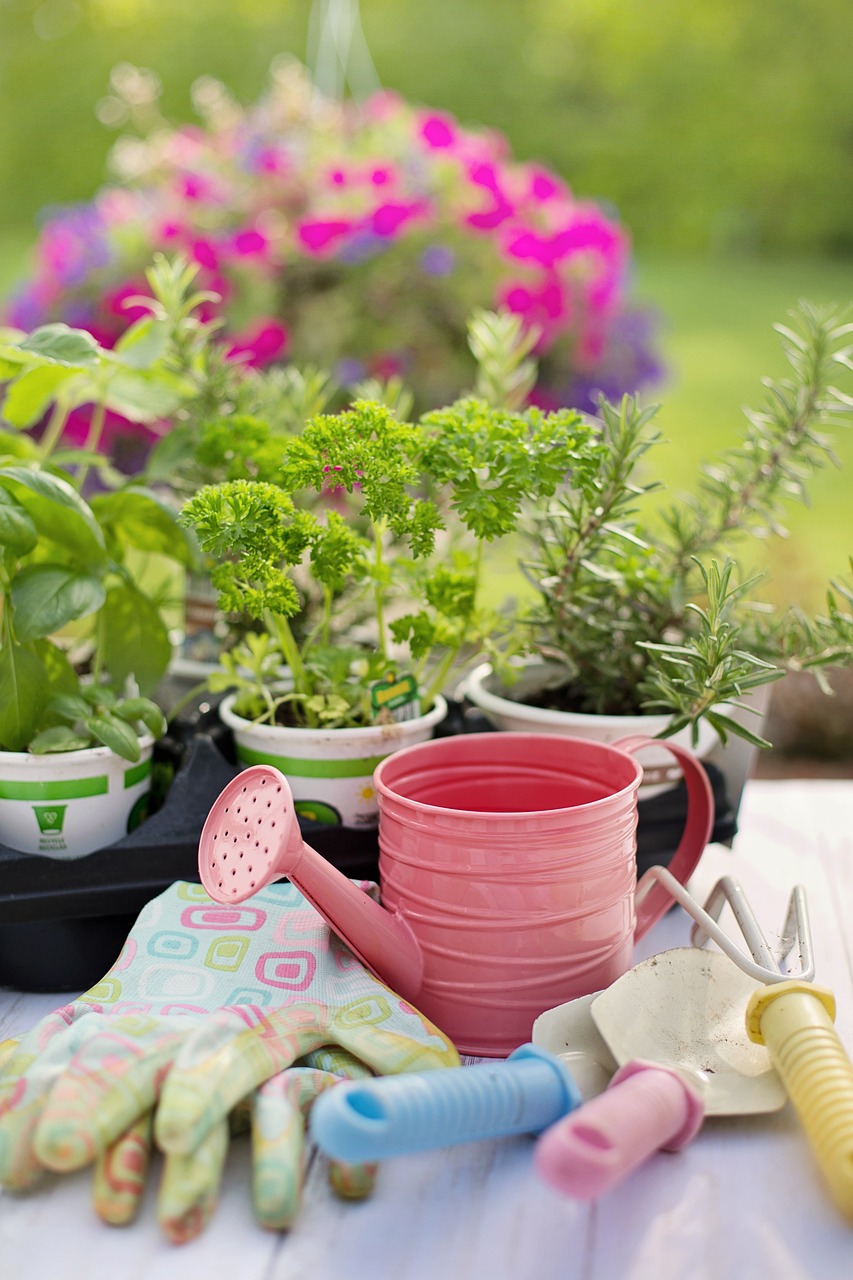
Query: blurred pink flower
260, 345
320, 236
438, 131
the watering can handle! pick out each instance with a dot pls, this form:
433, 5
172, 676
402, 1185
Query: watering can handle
652, 900
645, 1108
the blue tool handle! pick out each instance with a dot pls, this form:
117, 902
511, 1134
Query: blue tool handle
421, 1111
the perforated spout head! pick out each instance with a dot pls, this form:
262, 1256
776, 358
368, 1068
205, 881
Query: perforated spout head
251, 836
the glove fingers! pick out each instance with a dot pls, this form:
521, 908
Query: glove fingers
389, 1052
278, 1143
120, 1170
19, 1168
190, 1185
26, 1077
352, 1181
7, 1048
109, 1084
200, 1089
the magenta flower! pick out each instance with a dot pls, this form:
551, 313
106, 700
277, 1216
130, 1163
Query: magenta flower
205, 253
390, 218
334, 232
321, 237
260, 345
250, 243
438, 131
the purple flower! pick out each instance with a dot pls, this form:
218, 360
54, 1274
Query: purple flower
438, 260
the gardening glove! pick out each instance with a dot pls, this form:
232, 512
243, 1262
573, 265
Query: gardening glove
82, 1084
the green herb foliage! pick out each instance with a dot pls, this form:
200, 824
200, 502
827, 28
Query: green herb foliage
358, 513
643, 616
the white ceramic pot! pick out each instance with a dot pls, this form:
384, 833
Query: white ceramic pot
660, 771
330, 771
70, 804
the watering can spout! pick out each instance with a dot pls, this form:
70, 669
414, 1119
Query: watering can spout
382, 941
252, 838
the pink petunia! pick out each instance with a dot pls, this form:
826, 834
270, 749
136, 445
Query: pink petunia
265, 342
114, 302
322, 235
271, 160
195, 187
388, 218
169, 232
250, 243
544, 186
438, 131
205, 253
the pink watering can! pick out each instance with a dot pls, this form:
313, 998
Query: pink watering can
507, 871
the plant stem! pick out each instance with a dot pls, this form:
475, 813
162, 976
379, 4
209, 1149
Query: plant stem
293, 658
378, 589
93, 438
54, 429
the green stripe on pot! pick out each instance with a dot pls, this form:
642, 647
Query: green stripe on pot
136, 774
70, 789
298, 768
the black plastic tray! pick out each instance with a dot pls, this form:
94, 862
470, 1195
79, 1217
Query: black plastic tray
62, 924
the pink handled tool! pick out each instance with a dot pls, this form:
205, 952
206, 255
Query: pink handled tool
647, 1108
676, 1023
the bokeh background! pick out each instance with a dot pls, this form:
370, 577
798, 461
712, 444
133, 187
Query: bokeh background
720, 133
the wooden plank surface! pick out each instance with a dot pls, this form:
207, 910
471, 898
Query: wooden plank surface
742, 1202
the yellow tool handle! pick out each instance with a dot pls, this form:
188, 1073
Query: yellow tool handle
795, 1021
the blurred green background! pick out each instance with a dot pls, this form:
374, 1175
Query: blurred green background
721, 133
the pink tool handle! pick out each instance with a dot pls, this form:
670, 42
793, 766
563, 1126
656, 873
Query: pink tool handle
653, 901
646, 1108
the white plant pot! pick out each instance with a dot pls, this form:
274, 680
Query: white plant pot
67, 805
330, 771
660, 771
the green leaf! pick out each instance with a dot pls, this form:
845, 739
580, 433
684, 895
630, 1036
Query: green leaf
60, 737
144, 397
116, 735
143, 344
138, 518
61, 676
144, 710
58, 511
135, 639
25, 695
170, 453
15, 445
32, 391
59, 343
69, 706
46, 597
17, 529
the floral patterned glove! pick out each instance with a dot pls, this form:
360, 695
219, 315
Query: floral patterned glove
192, 980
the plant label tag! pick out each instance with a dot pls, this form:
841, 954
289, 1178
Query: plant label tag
395, 698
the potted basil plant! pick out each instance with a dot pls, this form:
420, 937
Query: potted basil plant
83, 639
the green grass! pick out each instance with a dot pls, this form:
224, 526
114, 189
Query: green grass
719, 342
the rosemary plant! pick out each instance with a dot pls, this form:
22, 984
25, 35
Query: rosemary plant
649, 616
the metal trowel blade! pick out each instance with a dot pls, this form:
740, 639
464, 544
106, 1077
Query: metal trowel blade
686, 1008
569, 1031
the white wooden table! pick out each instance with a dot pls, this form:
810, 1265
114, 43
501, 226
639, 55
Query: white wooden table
743, 1201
